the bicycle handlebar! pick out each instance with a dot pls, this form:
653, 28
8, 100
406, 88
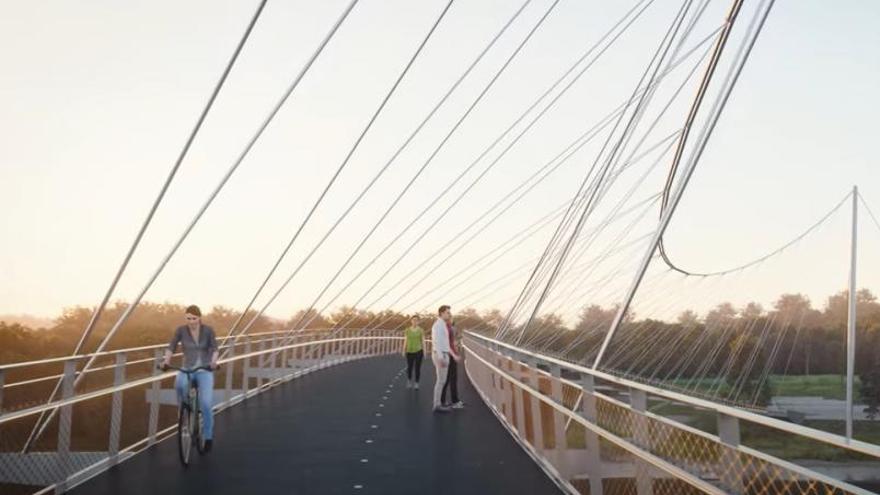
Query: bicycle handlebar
187, 371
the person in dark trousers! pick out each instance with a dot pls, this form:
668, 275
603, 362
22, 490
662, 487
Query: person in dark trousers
440, 355
451, 384
414, 351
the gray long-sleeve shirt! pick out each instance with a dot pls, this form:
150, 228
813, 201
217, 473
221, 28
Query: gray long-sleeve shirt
195, 354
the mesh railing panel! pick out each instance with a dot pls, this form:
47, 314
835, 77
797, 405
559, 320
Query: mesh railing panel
703, 458
82, 438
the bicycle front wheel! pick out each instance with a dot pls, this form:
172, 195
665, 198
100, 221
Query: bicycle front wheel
198, 426
184, 436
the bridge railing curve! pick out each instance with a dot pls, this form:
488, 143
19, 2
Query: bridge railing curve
126, 405
593, 432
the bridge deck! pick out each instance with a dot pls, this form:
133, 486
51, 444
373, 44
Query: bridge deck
310, 436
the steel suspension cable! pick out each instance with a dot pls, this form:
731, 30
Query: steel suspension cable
661, 52
497, 140
868, 209
96, 314
463, 244
431, 157
127, 313
708, 128
342, 166
739, 62
504, 327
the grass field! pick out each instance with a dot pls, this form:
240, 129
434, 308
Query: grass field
778, 443
768, 440
825, 386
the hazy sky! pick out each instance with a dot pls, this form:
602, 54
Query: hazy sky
97, 99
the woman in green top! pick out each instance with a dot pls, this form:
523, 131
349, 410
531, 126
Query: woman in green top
413, 349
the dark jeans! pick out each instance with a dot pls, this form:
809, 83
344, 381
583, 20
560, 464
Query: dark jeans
414, 364
451, 383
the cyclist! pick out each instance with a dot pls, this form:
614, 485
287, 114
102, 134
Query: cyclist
199, 349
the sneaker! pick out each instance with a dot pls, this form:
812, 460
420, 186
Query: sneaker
416, 385
208, 445
457, 405
442, 409
408, 384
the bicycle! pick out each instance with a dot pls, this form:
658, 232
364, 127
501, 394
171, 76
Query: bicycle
190, 421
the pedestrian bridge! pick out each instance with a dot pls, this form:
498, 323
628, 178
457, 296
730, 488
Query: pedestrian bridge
329, 413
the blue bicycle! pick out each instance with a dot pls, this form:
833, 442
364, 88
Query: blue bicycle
190, 420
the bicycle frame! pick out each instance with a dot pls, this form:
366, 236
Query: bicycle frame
189, 426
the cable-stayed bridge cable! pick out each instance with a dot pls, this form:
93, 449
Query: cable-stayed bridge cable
661, 52
127, 313
437, 149
573, 147
714, 115
96, 314
341, 167
429, 160
740, 59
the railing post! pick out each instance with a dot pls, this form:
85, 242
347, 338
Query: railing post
64, 419
153, 421
230, 373
590, 413
286, 357
516, 372
506, 403
534, 378
274, 357
2, 384
246, 369
731, 466
261, 363
559, 436
497, 383
638, 399
116, 411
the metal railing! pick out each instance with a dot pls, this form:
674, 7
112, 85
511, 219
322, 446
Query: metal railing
593, 432
123, 408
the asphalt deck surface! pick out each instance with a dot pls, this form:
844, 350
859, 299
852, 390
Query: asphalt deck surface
349, 429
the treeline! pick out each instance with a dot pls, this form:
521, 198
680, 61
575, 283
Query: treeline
152, 323
800, 338
734, 349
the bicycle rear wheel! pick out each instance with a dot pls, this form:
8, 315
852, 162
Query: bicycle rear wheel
184, 435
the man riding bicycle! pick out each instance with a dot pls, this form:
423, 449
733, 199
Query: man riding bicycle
199, 349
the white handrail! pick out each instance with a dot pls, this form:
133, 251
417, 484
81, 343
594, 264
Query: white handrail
23, 413
62, 359
804, 431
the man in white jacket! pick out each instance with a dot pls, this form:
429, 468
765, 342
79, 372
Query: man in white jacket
441, 354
